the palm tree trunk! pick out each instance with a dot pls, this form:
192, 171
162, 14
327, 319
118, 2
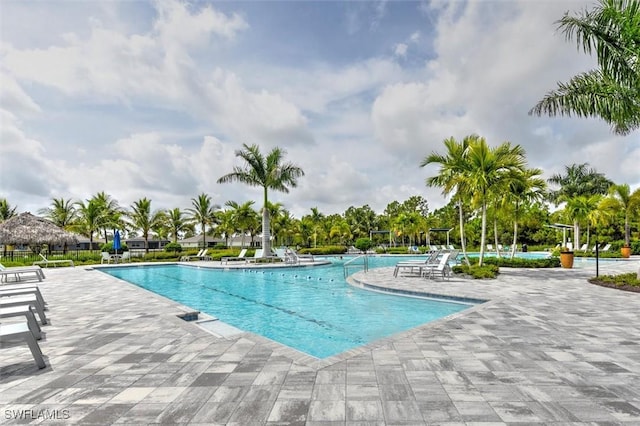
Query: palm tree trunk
495, 234
483, 234
463, 243
515, 239
266, 237
576, 234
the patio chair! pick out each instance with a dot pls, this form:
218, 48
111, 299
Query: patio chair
198, 256
24, 311
28, 300
584, 247
105, 257
489, 247
240, 256
46, 262
21, 272
126, 257
23, 291
415, 266
299, 257
21, 330
442, 268
606, 248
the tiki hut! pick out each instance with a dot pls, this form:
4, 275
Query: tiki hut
27, 229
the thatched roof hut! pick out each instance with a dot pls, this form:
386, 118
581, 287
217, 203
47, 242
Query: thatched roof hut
27, 229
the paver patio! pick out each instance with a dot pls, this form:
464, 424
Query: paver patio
548, 348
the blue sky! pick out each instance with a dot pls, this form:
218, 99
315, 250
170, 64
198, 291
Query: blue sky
151, 99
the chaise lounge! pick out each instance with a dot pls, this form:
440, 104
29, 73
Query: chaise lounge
20, 272
21, 330
46, 262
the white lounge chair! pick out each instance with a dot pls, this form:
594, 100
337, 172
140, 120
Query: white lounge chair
28, 300
21, 272
46, 262
240, 256
489, 247
584, 247
606, 248
196, 256
415, 266
4, 292
24, 311
299, 257
126, 257
442, 268
21, 330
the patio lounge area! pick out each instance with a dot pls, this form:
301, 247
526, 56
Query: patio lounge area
548, 347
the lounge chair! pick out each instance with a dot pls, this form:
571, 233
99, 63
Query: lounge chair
297, 257
256, 255
21, 330
106, 257
19, 273
46, 262
286, 255
26, 311
200, 255
415, 266
126, 257
584, 247
489, 247
606, 248
442, 268
22, 292
240, 256
28, 300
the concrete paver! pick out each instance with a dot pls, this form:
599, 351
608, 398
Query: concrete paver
547, 347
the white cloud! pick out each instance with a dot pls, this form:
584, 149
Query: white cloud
400, 50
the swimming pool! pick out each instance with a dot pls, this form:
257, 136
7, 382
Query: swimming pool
310, 309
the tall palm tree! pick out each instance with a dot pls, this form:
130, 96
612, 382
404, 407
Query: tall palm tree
143, 220
621, 199
112, 214
89, 219
316, 219
487, 168
62, 212
6, 211
268, 172
581, 210
177, 223
203, 213
578, 180
612, 91
451, 177
275, 211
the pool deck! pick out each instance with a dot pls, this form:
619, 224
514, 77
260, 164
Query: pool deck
547, 348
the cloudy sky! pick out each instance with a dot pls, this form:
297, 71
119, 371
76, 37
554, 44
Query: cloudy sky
152, 98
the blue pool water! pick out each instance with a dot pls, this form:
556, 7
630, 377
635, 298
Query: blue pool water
310, 309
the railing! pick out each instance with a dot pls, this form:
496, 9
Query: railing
356, 262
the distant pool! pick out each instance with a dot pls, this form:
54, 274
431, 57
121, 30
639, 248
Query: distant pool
310, 309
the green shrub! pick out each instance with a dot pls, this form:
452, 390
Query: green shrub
622, 280
109, 247
173, 248
363, 244
478, 272
326, 250
518, 262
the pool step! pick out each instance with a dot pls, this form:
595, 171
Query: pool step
219, 328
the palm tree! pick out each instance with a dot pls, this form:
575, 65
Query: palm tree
578, 180
524, 187
581, 210
143, 220
621, 199
451, 177
203, 213
89, 219
244, 218
487, 168
268, 173
111, 216
6, 211
177, 223
62, 212
612, 90
316, 219
226, 225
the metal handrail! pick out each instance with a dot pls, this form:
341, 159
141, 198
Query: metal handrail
352, 263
